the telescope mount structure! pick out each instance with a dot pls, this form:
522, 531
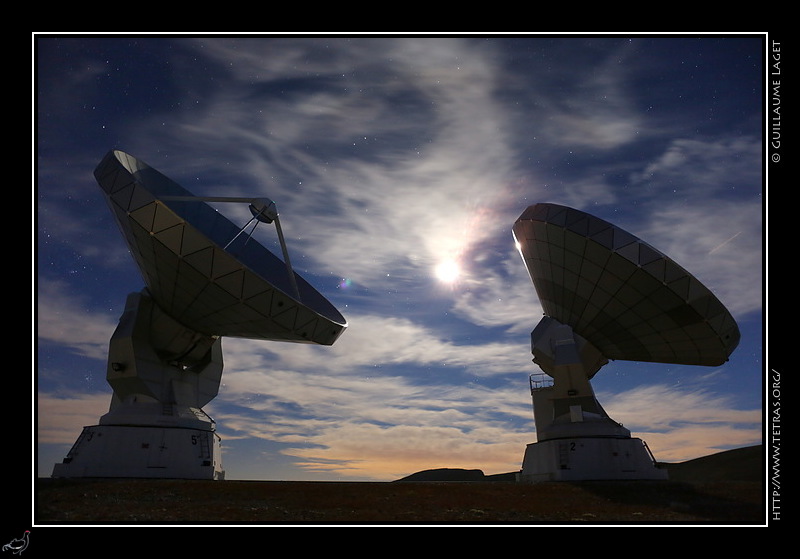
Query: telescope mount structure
606, 295
204, 279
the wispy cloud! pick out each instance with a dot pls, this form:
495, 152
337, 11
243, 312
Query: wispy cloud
386, 156
62, 319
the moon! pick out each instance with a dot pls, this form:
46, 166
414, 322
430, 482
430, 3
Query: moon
448, 271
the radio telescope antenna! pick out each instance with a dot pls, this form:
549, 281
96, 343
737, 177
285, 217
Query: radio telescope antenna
203, 281
606, 295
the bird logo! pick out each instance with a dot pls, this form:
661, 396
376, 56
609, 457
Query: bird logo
18, 545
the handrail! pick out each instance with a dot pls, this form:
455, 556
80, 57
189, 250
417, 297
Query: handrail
539, 381
647, 448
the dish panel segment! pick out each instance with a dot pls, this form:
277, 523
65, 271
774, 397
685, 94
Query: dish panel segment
627, 298
240, 291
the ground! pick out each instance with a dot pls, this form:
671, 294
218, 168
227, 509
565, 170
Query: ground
723, 489
245, 502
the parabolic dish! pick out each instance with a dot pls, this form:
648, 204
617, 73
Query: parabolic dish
628, 299
242, 290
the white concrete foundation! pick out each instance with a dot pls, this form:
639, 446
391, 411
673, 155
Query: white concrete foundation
143, 452
585, 458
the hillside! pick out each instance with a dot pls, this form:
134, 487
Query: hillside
740, 464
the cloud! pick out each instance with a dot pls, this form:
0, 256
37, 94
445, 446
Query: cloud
377, 341
683, 423
362, 417
390, 452
719, 242
499, 294
704, 167
385, 157
62, 319
367, 407
400, 189
379, 426
61, 417
710, 221
588, 111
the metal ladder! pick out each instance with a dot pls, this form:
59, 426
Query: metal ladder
205, 447
563, 455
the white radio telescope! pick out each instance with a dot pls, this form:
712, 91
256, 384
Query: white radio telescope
605, 295
205, 278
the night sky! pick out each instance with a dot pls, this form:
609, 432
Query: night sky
388, 158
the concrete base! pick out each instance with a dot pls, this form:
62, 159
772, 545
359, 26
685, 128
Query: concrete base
143, 452
584, 459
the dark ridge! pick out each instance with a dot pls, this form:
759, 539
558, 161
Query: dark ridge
739, 464
446, 474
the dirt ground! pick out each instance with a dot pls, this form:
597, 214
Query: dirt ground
190, 502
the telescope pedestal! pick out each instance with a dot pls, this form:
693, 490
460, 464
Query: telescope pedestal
584, 459
144, 452
577, 438
162, 374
